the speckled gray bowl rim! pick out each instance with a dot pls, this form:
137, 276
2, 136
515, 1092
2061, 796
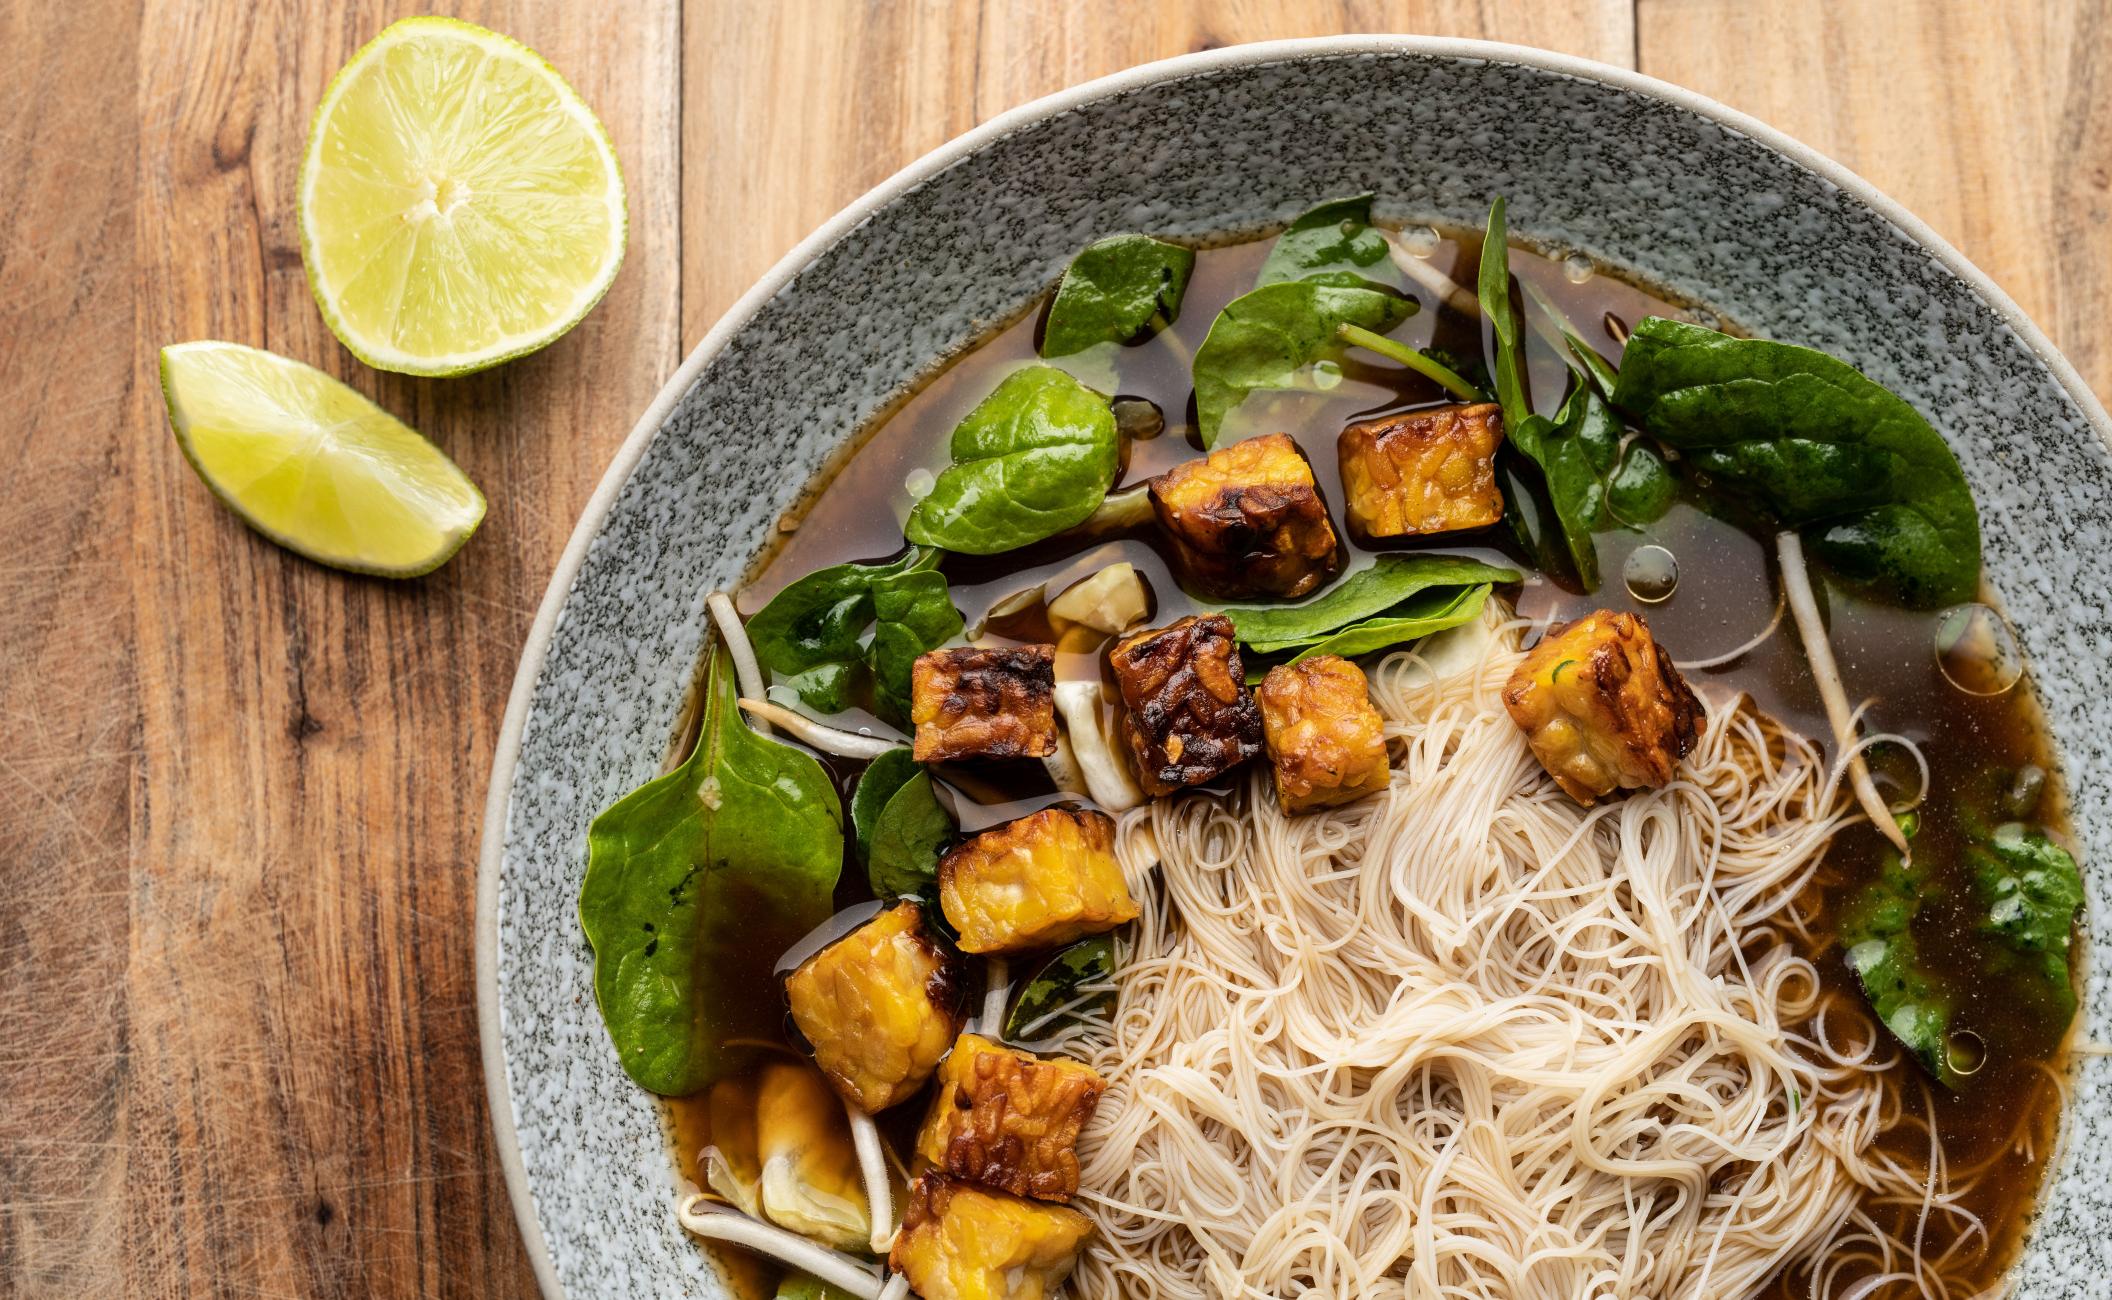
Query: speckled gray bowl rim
962, 146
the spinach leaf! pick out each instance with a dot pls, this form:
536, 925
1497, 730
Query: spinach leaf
2032, 892
735, 851
1815, 446
1591, 485
1034, 458
1334, 243
1877, 929
799, 1286
876, 785
1263, 339
1082, 974
813, 633
1475, 372
912, 613
1391, 579
911, 830
1493, 287
1641, 487
1424, 361
1116, 290
1529, 516
1418, 616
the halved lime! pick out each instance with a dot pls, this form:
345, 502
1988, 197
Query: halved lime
313, 465
459, 204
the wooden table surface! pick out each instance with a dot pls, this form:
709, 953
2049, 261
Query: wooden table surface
240, 795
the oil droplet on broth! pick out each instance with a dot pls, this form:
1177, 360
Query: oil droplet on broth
1578, 269
1651, 573
1977, 651
1327, 376
1420, 240
919, 482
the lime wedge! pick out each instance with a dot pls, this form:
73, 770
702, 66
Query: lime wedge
313, 465
459, 204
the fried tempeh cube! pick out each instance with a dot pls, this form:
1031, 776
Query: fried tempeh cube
1041, 880
1326, 742
1602, 706
1247, 519
960, 1242
1010, 1119
1430, 471
984, 702
1189, 716
880, 1006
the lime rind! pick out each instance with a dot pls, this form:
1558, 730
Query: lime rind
385, 356
435, 495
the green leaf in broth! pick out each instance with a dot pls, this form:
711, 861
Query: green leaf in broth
1877, 935
1641, 488
876, 785
824, 688
2032, 893
1071, 980
907, 838
735, 851
1475, 371
1376, 589
912, 613
799, 1286
1590, 484
1529, 516
1262, 340
1812, 444
1415, 618
1334, 242
813, 634
1493, 285
1116, 290
1034, 458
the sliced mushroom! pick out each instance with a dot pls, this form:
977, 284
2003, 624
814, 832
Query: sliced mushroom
1098, 756
810, 1176
1111, 600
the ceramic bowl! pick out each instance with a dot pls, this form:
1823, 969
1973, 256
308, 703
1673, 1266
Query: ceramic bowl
1631, 171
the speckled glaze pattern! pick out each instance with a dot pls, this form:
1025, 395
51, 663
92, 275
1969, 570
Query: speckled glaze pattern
1592, 159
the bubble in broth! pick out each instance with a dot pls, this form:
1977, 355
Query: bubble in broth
1651, 573
1977, 650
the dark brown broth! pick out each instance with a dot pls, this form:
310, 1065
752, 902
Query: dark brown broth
1725, 594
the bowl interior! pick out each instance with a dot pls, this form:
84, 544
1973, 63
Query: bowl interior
1592, 159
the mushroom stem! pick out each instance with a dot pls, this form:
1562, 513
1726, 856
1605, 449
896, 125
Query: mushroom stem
1804, 607
827, 739
746, 671
1119, 511
1063, 770
701, 1217
872, 1166
1419, 269
997, 990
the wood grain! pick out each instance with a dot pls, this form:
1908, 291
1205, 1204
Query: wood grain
827, 100
1990, 122
240, 795
252, 788
69, 717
